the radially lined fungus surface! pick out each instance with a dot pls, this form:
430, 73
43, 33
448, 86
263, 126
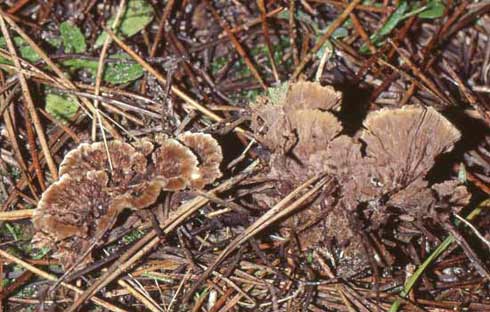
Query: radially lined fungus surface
93, 190
380, 171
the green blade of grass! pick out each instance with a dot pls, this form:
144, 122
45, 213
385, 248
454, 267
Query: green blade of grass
433, 256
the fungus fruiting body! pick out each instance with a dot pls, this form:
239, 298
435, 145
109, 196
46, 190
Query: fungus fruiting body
98, 181
385, 164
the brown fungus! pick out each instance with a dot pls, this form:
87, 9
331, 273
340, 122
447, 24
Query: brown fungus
127, 162
404, 142
76, 211
69, 211
314, 129
296, 109
311, 95
401, 147
209, 155
175, 165
297, 127
271, 126
384, 165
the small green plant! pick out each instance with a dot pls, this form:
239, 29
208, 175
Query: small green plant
137, 16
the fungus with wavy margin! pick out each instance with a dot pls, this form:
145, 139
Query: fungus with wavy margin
69, 212
402, 146
127, 162
175, 165
76, 211
209, 154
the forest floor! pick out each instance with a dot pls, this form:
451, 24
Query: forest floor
327, 155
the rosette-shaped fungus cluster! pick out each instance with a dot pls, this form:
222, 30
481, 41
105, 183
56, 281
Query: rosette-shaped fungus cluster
98, 182
383, 166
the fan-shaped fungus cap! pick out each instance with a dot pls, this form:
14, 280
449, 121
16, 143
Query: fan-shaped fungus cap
144, 146
70, 209
73, 211
302, 105
209, 154
175, 165
401, 147
311, 95
271, 126
89, 196
126, 161
314, 129
404, 142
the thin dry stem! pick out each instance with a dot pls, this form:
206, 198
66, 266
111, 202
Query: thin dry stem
98, 79
53, 278
331, 28
160, 78
29, 103
64, 82
131, 290
16, 215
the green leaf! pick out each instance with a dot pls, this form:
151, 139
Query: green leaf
277, 95
435, 9
61, 107
115, 72
340, 32
123, 72
388, 27
24, 49
73, 39
54, 41
326, 48
138, 14
394, 20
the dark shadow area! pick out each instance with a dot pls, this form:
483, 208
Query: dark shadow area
473, 132
354, 107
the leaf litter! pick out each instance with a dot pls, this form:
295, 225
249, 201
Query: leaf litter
320, 195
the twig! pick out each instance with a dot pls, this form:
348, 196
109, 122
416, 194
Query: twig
98, 80
331, 28
61, 76
50, 277
9, 125
236, 44
278, 211
265, 30
161, 26
410, 283
472, 227
360, 7
16, 215
29, 102
147, 303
